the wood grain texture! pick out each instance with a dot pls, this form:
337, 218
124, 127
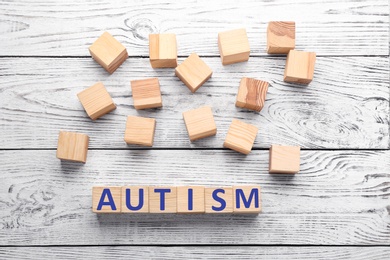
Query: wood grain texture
339, 197
327, 28
346, 105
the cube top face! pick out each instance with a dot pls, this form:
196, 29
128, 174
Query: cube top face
190, 199
200, 123
219, 200
108, 52
299, 67
72, 146
193, 72
135, 199
241, 136
247, 199
280, 37
284, 159
233, 46
106, 199
146, 93
163, 50
96, 101
140, 130
252, 94
162, 200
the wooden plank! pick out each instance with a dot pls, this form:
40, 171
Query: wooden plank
327, 28
193, 252
338, 198
346, 105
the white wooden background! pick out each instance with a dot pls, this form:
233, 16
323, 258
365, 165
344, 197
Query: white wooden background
338, 206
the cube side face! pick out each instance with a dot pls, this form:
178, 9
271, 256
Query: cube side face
140, 130
299, 67
280, 37
163, 50
170, 200
96, 101
247, 199
135, 199
219, 200
233, 46
284, 159
190, 199
72, 146
200, 123
251, 94
146, 93
240, 137
106, 199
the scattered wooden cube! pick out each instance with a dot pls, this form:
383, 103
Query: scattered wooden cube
280, 37
146, 93
299, 67
193, 72
190, 199
72, 146
200, 123
96, 101
284, 159
247, 199
108, 52
251, 94
140, 130
219, 200
163, 50
135, 199
233, 46
162, 200
240, 137
106, 199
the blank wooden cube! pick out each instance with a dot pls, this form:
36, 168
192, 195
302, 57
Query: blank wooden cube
233, 46
247, 199
193, 72
135, 199
240, 137
163, 50
219, 200
162, 200
106, 199
280, 37
140, 130
299, 67
284, 159
146, 93
200, 123
108, 52
72, 146
96, 101
190, 199
251, 94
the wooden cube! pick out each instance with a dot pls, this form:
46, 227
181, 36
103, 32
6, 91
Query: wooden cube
190, 199
163, 50
240, 137
135, 199
108, 52
200, 123
193, 72
140, 130
106, 199
247, 199
251, 94
162, 200
219, 200
96, 101
280, 37
299, 67
146, 93
72, 146
233, 46
284, 159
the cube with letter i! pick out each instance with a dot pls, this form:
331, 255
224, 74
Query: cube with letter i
190, 199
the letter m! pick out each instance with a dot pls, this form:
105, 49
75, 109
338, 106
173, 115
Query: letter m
240, 195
